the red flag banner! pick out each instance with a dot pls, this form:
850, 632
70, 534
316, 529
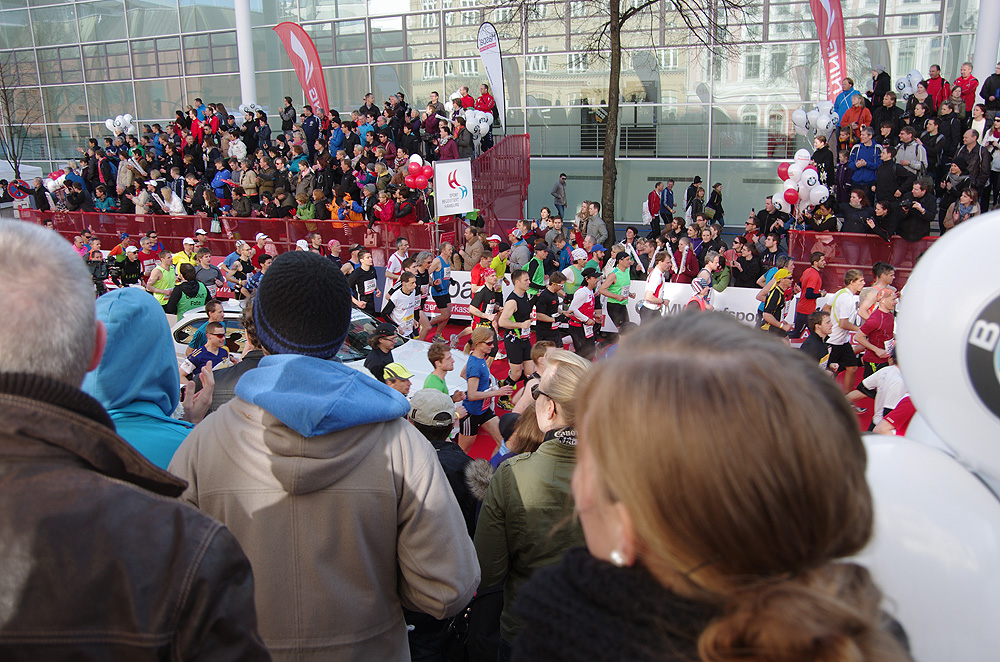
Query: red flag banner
830, 28
305, 59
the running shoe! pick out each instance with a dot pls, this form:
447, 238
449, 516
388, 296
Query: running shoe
858, 409
453, 343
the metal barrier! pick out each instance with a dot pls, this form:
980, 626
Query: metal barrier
501, 176
847, 250
171, 231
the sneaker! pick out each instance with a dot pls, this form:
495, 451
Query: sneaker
858, 409
453, 343
505, 403
501, 356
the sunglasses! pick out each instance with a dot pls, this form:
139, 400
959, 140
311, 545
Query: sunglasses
218, 335
487, 342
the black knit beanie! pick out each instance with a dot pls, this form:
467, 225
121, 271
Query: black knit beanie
302, 306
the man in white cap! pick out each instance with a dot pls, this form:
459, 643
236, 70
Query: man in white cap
131, 269
186, 256
259, 248
493, 240
574, 272
200, 239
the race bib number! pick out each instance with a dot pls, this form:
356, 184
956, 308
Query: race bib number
187, 367
491, 308
423, 290
588, 331
370, 286
447, 273
625, 291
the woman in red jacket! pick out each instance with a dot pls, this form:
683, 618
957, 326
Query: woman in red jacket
406, 212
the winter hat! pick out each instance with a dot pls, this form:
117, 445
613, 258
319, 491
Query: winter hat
302, 306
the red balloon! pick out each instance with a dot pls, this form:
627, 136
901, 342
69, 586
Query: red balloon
410, 180
429, 172
783, 170
421, 182
791, 196
415, 168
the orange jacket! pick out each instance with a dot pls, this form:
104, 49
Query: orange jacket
855, 114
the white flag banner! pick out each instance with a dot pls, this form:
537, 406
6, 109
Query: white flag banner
453, 187
489, 51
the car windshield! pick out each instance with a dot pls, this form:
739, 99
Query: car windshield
356, 347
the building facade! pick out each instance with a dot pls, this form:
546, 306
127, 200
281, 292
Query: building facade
685, 110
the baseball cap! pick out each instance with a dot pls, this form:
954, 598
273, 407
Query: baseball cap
261, 235
240, 243
384, 329
782, 273
123, 235
398, 371
598, 247
429, 406
516, 233
188, 240
591, 272
131, 249
354, 247
621, 256
508, 423
494, 237
579, 254
200, 231
302, 245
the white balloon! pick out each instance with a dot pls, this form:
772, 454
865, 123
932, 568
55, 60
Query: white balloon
799, 117
935, 551
789, 185
779, 202
127, 118
835, 117
818, 194
810, 176
825, 107
448, 107
825, 125
801, 130
812, 116
802, 204
949, 335
803, 157
794, 170
110, 124
901, 84
914, 77
415, 158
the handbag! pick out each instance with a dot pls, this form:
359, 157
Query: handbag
709, 213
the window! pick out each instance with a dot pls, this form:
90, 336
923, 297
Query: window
577, 9
539, 11
157, 58
907, 54
105, 62
469, 17
751, 64
750, 115
670, 97
468, 66
431, 69
429, 20
538, 63
503, 14
59, 66
210, 53
779, 63
911, 21
577, 63
669, 60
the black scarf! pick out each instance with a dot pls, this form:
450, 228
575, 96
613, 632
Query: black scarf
586, 609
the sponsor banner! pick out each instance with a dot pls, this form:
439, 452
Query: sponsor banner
305, 60
489, 51
830, 28
453, 187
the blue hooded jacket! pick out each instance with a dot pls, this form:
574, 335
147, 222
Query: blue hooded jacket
137, 380
315, 397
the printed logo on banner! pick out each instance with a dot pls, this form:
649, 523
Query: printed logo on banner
453, 183
453, 191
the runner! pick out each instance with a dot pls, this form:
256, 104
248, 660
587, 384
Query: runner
877, 334
702, 284
616, 288
422, 265
653, 302
548, 326
574, 272
812, 289
515, 320
363, 284
477, 394
441, 290
536, 269
584, 315
885, 386
394, 266
400, 304
774, 306
485, 306
819, 325
884, 274
844, 313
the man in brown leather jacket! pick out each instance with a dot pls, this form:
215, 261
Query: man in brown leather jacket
98, 560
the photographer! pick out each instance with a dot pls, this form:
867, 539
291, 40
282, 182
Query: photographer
917, 210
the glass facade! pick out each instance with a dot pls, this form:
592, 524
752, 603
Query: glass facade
684, 111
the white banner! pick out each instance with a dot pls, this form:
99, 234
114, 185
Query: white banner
489, 51
453, 187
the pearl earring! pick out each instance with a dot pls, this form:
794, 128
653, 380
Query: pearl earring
617, 558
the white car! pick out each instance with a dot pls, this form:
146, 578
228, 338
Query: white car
410, 353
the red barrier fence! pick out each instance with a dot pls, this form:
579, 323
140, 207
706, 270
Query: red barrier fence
500, 179
284, 232
847, 250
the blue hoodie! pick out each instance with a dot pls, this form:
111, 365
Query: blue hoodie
316, 397
137, 380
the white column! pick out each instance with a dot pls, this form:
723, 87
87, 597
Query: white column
985, 59
244, 48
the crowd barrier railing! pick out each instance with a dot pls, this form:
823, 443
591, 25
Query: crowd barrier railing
848, 250
500, 181
224, 231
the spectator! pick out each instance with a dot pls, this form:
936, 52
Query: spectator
558, 194
856, 118
125, 570
938, 87
962, 209
881, 83
966, 84
844, 99
991, 94
351, 588
864, 160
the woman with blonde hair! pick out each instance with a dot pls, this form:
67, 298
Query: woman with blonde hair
708, 537
525, 522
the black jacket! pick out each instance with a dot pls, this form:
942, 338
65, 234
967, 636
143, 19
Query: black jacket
915, 225
891, 177
991, 88
112, 561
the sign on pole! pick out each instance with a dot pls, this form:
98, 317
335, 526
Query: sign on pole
453, 187
489, 51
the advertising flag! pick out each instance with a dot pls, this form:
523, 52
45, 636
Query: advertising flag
305, 59
830, 28
489, 51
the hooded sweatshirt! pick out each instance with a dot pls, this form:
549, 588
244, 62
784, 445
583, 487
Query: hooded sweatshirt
340, 504
137, 379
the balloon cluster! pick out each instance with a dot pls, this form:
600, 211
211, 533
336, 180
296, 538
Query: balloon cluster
453, 105
122, 125
907, 85
801, 186
420, 175
250, 108
820, 121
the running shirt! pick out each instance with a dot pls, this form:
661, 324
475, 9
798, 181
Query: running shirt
775, 305
574, 279
476, 277
148, 262
436, 383
522, 313
880, 328
499, 266
814, 346
476, 367
201, 357
423, 288
623, 281
488, 301
393, 268
363, 284
165, 282
208, 277
547, 303
843, 307
889, 389
537, 274
582, 308
401, 307
441, 272
654, 286
810, 279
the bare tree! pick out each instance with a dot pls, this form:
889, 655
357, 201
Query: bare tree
710, 23
20, 110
